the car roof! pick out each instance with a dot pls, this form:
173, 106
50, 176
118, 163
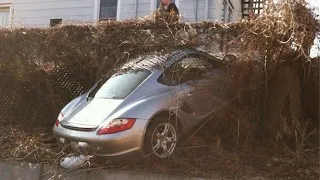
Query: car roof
156, 61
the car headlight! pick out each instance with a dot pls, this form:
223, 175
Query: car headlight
117, 125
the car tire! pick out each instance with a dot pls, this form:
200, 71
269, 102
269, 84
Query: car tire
156, 138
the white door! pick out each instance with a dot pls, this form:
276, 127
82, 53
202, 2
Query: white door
4, 16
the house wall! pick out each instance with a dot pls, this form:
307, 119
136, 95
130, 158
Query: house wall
215, 10
191, 10
237, 13
143, 7
133, 9
37, 13
127, 9
5, 1
194, 10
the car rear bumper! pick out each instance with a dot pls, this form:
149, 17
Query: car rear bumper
118, 146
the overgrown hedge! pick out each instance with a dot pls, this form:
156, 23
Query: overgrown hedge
42, 69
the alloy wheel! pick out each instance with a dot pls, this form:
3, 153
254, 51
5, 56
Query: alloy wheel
164, 140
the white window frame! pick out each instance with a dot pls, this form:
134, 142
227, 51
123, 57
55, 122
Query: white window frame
230, 14
96, 16
9, 6
224, 10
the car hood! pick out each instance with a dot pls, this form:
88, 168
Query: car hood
90, 114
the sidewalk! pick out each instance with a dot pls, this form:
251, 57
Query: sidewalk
26, 171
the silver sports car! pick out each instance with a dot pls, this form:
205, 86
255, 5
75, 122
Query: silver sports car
145, 107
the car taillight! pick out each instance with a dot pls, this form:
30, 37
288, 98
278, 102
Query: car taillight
117, 125
60, 117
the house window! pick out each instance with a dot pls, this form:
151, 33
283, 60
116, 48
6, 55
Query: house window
108, 9
55, 22
159, 1
4, 16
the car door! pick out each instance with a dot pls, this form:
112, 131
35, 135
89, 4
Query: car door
194, 88
172, 77
201, 85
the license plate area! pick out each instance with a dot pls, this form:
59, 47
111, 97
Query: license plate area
81, 147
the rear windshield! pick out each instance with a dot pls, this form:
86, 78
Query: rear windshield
120, 86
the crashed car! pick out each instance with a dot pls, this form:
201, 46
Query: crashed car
145, 108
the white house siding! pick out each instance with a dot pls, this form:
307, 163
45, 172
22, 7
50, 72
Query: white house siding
216, 6
143, 7
215, 10
237, 12
2, 2
192, 10
37, 13
132, 9
127, 9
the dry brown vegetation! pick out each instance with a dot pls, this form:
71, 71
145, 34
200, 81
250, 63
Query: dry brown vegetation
270, 128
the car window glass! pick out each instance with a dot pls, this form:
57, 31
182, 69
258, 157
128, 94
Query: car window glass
120, 86
190, 68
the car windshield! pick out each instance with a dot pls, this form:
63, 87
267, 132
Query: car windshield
119, 86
